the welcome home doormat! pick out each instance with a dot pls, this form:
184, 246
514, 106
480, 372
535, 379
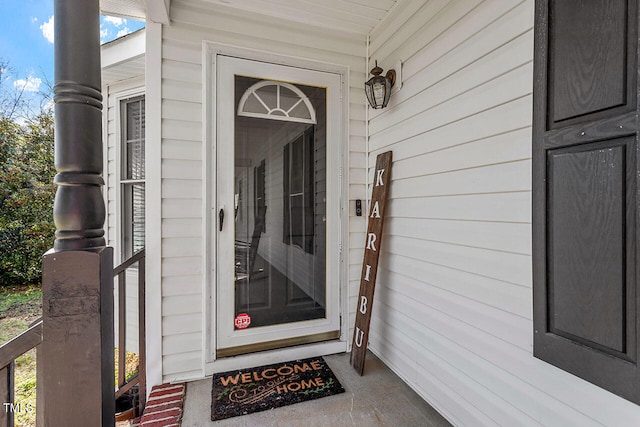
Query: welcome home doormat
252, 390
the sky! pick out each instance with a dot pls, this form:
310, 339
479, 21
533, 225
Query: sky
26, 42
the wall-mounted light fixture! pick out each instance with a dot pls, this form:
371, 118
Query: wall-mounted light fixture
378, 87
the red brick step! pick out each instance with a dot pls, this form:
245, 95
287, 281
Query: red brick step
164, 406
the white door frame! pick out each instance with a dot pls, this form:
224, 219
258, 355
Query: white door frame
211, 51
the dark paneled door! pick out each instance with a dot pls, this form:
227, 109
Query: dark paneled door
585, 201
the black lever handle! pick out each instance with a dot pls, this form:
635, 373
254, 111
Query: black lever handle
221, 216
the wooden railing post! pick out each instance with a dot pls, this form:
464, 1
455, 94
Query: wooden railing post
122, 327
40, 402
6, 395
77, 275
142, 340
141, 378
9, 352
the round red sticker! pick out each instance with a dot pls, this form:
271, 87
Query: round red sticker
242, 321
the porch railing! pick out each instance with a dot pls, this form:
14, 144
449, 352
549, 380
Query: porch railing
9, 352
139, 379
32, 337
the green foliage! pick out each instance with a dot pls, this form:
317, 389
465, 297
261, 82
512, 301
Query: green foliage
26, 197
131, 368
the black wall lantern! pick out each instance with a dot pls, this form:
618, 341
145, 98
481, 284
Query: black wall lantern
378, 88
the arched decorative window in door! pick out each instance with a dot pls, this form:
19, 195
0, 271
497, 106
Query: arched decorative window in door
275, 100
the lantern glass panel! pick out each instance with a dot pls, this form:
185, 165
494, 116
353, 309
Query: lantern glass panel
379, 88
378, 91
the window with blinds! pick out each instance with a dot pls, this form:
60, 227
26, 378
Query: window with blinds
133, 176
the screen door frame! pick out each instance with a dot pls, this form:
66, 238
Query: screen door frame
229, 341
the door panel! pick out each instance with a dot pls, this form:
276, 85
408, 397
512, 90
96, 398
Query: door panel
277, 128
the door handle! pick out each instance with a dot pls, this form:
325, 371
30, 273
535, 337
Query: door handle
221, 217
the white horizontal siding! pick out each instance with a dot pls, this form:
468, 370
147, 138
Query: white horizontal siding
184, 328
111, 166
187, 364
181, 189
453, 309
181, 285
506, 237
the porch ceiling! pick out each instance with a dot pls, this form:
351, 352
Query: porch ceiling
355, 16
128, 8
123, 58
358, 16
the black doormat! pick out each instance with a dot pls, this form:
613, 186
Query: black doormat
252, 390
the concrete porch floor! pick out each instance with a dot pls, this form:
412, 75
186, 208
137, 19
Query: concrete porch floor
378, 398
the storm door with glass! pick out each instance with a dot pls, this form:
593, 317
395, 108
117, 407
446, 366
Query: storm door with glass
277, 258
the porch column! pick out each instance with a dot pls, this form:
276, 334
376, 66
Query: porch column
77, 349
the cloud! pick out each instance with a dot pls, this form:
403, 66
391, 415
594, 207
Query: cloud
49, 106
104, 34
115, 20
123, 32
31, 84
112, 28
47, 30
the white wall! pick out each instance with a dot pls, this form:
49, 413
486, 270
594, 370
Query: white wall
453, 305
183, 313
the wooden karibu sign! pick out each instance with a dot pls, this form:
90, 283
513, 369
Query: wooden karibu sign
379, 193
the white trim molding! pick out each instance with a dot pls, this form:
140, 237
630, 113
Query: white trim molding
118, 98
158, 11
153, 196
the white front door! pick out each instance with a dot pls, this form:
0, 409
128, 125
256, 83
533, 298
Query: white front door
277, 206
